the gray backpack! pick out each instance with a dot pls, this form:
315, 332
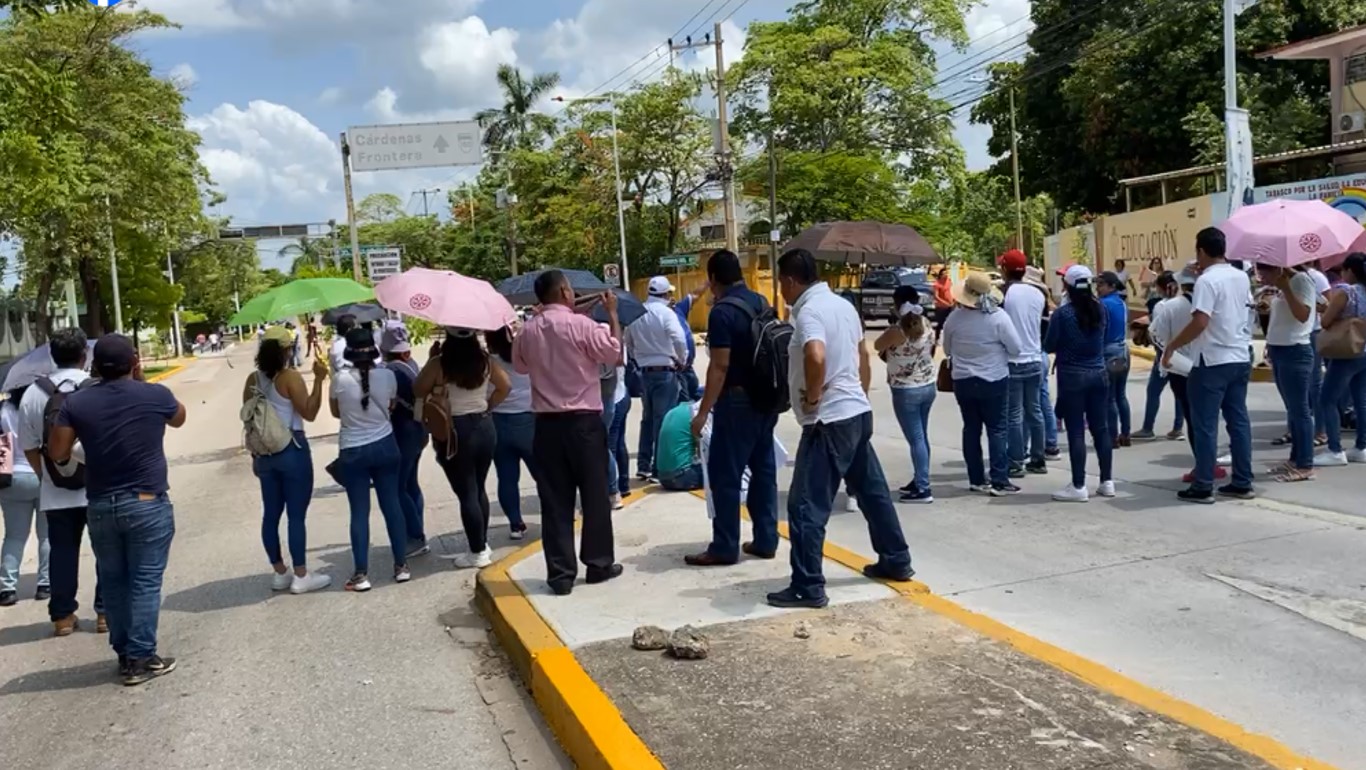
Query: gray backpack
264, 432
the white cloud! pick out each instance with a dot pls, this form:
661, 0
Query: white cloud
183, 76
331, 95
321, 22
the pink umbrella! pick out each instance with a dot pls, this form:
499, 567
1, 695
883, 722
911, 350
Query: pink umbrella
1286, 233
446, 298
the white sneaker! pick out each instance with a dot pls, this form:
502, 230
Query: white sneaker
1071, 494
1330, 459
1356, 455
279, 581
474, 560
313, 581
1225, 460
616, 502
851, 504
984, 489
1106, 489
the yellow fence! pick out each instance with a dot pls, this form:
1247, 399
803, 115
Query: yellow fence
758, 279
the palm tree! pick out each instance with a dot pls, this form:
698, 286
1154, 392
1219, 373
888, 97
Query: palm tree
515, 125
308, 252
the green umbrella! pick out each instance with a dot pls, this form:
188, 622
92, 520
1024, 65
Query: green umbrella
301, 297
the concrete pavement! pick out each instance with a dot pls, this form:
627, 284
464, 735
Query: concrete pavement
401, 677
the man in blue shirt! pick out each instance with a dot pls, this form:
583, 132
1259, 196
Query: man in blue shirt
742, 436
690, 389
1111, 291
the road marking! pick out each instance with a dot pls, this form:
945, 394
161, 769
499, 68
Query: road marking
1345, 615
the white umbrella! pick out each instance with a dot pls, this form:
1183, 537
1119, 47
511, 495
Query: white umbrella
31, 366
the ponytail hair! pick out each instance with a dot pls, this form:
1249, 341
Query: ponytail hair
1086, 306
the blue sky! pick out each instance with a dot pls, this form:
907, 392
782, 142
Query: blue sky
271, 83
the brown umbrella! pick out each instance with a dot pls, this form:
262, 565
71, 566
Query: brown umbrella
867, 243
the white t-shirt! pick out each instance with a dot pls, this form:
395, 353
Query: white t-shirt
9, 423
336, 358
519, 396
821, 315
1222, 292
50, 496
1025, 305
1321, 287
980, 344
1283, 328
363, 426
1170, 318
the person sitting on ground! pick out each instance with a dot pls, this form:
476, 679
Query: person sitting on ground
677, 455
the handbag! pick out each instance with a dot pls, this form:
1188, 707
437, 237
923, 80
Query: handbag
7, 442
1345, 339
436, 417
944, 382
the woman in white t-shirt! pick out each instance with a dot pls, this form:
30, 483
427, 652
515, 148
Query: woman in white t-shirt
20, 504
1346, 377
908, 348
515, 425
362, 395
1289, 329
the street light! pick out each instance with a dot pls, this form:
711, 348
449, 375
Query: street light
611, 99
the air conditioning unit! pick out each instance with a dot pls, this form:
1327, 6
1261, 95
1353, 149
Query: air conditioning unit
1352, 123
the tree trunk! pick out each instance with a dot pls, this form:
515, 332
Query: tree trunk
94, 304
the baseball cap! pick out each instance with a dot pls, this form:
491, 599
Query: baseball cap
659, 286
1077, 275
394, 338
279, 334
1012, 260
1188, 275
114, 356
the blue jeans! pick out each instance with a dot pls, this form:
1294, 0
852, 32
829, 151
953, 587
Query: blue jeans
1120, 415
1025, 416
1156, 384
616, 440
374, 463
682, 480
412, 441
131, 536
661, 395
1292, 369
912, 407
609, 415
983, 405
742, 437
286, 489
1316, 387
1050, 418
689, 385
1084, 399
1211, 390
20, 504
1345, 380
512, 448
827, 453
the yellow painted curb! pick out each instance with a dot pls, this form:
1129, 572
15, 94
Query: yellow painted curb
163, 375
588, 725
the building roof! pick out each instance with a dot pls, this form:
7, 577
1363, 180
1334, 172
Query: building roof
1341, 148
1322, 47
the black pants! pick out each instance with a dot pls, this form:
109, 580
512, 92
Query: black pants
571, 457
1179, 390
65, 528
468, 473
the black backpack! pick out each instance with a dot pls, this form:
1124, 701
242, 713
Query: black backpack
65, 478
767, 386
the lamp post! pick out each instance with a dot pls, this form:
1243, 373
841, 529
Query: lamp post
611, 100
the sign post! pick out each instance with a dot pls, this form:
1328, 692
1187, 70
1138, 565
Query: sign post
380, 263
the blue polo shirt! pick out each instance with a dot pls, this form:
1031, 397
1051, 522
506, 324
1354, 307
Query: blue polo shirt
728, 328
1117, 318
683, 307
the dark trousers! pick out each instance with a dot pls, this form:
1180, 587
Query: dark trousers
65, 528
468, 474
571, 455
412, 440
616, 439
1084, 398
742, 438
1178, 384
1215, 390
985, 405
827, 453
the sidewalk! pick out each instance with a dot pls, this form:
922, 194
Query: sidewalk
887, 676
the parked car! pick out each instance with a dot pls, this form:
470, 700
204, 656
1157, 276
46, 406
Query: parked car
874, 297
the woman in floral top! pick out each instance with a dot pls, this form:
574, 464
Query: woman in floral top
908, 348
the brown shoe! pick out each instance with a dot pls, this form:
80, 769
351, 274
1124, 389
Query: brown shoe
101, 624
705, 559
749, 549
64, 626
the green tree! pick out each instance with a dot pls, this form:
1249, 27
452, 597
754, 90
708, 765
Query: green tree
379, 207
516, 125
40, 7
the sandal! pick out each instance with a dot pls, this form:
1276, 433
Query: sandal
1320, 441
1282, 441
1283, 467
1295, 474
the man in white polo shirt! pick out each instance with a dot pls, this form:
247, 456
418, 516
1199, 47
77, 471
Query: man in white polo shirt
1219, 336
828, 377
660, 348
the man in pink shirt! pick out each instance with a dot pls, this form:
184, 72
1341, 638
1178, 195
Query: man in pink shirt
562, 351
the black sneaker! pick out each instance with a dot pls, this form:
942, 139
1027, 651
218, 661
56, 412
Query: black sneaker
878, 572
1241, 493
1004, 490
792, 599
1037, 469
1016, 472
125, 668
921, 496
1052, 453
147, 669
8, 598
1192, 495
42, 594
909, 488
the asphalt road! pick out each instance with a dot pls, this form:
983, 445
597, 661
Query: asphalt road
401, 677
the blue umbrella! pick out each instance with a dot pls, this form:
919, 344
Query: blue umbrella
521, 289
629, 309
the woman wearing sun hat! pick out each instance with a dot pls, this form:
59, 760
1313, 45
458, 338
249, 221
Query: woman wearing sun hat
979, 339
1076, 338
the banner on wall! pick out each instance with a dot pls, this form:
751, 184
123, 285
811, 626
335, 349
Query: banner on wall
1346, 193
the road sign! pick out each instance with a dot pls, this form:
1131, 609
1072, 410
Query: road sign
415, 145
611, 275
382, 263
366, 251
678, 260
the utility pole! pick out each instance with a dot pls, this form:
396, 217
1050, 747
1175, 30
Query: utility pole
177, 341
773, 234
1015, 162
723, 158
510, 201
113, 268
426, 212
1238, 168
350, 209
336, 254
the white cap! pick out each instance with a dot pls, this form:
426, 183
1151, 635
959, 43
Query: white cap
660, 286
1188, 275
1076, 274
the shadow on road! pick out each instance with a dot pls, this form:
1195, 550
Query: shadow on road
73, 678
33, 632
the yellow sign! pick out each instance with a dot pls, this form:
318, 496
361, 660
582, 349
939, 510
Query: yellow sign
1165, 232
